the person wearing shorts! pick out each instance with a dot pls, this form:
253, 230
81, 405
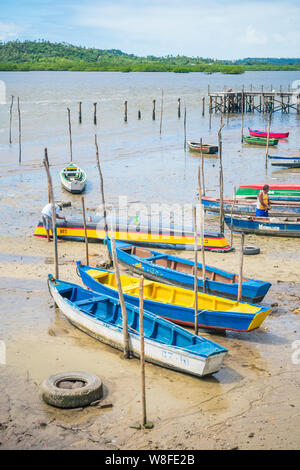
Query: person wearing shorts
263, 202
47, 217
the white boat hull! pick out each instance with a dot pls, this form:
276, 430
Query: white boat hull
74, 187
286, 162
157, 353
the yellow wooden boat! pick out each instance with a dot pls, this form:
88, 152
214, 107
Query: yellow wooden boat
177, 304
138, 234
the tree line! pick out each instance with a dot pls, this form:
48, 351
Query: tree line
44, 55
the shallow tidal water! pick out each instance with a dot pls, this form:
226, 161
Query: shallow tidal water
147, 167
137, 161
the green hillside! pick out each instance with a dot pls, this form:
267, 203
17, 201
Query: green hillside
44, 55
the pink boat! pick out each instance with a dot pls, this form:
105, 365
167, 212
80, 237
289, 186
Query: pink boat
273, 135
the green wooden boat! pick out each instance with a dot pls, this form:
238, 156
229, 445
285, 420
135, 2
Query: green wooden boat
286, 192
206, 148
249, 139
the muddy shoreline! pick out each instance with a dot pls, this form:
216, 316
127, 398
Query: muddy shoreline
253, 402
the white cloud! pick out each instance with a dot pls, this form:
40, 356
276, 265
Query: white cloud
192, 27
252, 36
8, 31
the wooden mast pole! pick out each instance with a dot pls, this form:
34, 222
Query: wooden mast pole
54, 231
70, 133
102, 197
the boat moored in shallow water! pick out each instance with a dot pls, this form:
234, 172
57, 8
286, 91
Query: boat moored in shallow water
165, 344
73, 178
272, 135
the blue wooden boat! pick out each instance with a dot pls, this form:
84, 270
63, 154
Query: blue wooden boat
165, 344
271, 226
179, 271
175, 303
248, 207
285, 162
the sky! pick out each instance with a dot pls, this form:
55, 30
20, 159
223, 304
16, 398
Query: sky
219, 29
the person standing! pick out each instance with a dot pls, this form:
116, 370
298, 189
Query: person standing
263, 202
47, 217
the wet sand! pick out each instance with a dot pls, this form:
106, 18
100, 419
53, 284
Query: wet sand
253, 402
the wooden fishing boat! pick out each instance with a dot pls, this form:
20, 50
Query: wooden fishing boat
179, 271
249, 139
285, 162
166, 344
177, 304
73, 178
286, 192
206, 148
140, 233
248, 207
273, 135
272, 226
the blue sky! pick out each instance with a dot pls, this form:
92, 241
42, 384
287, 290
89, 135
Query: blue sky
229, 29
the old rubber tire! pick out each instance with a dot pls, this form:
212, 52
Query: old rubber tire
90, 390
251, 250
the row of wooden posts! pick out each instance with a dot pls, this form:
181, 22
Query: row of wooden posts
139, 114
125, 119
95, 118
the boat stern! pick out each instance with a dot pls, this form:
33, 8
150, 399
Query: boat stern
259, 318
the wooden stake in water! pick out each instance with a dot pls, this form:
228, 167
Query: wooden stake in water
202, 167
79, 113
121, 298
125, 111
47, 161
19, 115
142, 346
195, 269
231, 231
184, 127
178, 108
161, 110
10, 117
102, 196
70, 134
203, 106
153, 110
202, 229
54, 231
95, 114
268, 140
243, 110
85, 232
239, 298
221, 179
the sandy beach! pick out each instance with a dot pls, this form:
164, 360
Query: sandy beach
251, 403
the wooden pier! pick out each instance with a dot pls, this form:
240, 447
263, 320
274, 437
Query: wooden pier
234, 102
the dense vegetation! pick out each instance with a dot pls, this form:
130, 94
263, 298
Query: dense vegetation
44, 55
